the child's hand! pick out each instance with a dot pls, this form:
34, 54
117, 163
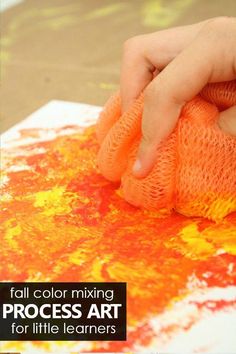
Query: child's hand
173, 66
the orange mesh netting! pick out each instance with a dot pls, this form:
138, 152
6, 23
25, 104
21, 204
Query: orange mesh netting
195, 170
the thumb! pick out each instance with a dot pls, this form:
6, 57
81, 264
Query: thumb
227, 121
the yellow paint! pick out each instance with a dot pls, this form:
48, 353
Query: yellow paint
60, 22
195, 244
96, 270
6, 197
78, 257
103, 85
107, 86
29, 21
40, 13
4, 56
203, 244
222, 207
106, 11
161, 13
222, 236
53, 202
6, 41
60, 10
11, 232
217, 210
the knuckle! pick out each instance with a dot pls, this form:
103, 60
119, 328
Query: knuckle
132, 44
161, 92
218, 24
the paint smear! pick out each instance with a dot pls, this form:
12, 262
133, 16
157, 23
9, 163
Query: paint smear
62, 221
161, 13
106, 11
37, 18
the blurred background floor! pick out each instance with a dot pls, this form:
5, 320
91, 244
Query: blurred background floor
71, 49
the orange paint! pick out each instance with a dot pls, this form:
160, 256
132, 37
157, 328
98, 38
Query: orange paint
62, 221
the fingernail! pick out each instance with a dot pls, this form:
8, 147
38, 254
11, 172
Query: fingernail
137, 166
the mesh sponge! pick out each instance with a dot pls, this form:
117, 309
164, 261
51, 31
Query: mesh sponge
195, 170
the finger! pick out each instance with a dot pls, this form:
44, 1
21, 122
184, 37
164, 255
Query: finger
154, 130
227, 121
178, 83
136, 72
145, 56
